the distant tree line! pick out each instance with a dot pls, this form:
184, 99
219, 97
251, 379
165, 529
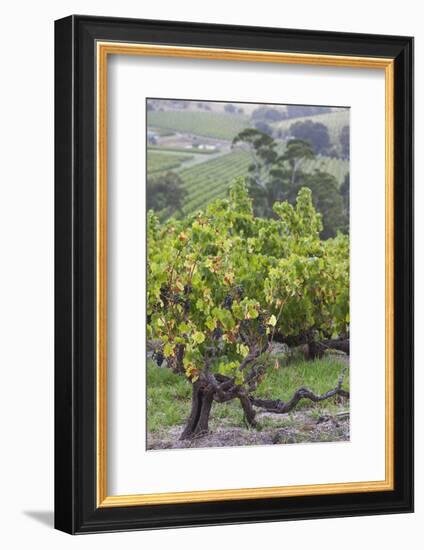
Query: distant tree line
275, 114
316, 133
165, 194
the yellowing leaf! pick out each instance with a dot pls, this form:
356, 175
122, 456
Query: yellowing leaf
210, 323
198, 337
168, 349
179, 285
242, 350
272, 320
229, 278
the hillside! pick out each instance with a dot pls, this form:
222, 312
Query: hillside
209, 124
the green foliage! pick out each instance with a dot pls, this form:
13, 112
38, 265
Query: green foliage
208, 124
328, 200
222, 281
344, 191
345, 141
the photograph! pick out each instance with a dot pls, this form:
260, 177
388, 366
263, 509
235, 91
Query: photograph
247, 215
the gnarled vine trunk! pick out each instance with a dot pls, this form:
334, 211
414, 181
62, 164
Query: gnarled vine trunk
223, 389
201, 404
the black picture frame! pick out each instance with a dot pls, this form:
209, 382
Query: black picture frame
76, 508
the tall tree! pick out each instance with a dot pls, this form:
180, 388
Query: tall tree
165, 194
297, 151
264, 127
275, 176
328, 201
268, 114
345, 193
314, 132
345, 141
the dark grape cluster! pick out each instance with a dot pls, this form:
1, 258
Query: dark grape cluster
167, 297
244, 325
239, 291
158, 357
217, 333
165, 294
177, 299
261, 325
261, 329
228, 302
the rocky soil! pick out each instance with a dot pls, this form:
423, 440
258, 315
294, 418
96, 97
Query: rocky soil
277, 429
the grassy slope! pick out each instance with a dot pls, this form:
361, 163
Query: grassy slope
209, 124
168, 395
207, 181
158, 162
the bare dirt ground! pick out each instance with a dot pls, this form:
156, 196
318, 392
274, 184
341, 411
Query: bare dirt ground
298, 427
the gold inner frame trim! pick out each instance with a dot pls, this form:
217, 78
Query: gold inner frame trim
103, 50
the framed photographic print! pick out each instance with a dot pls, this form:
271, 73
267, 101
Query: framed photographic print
234, 270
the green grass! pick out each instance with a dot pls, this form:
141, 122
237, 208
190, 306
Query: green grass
319, 376
168, 398
208, 124
169, 395
334, 122
159, 162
